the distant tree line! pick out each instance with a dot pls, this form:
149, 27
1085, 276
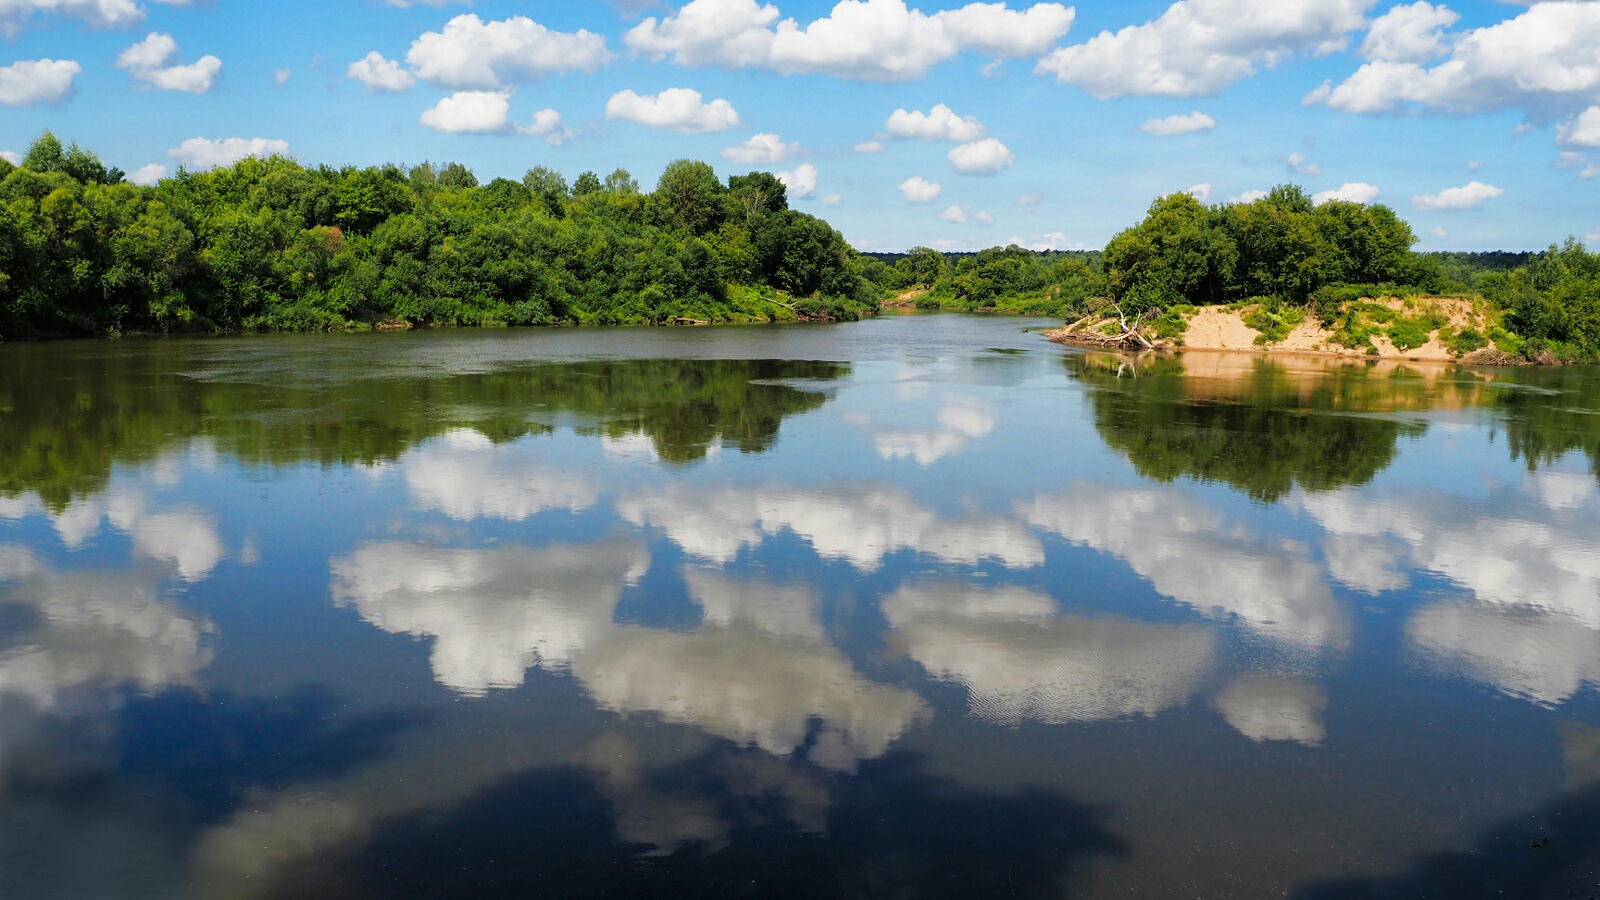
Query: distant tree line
1282, 251
271, 244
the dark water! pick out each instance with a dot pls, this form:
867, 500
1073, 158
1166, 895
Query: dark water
918, 607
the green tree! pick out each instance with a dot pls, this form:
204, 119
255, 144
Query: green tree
688, 197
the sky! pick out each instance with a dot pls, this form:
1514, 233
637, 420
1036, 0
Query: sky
901, 122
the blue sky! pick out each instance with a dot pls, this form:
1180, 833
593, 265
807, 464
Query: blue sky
939, 123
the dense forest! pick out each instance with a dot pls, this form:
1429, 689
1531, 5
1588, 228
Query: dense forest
270, 244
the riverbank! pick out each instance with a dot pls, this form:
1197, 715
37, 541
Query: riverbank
1417, 329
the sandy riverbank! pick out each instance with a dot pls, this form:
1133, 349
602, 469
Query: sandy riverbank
1220, 328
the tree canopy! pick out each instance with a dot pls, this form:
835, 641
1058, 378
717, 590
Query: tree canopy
268, 243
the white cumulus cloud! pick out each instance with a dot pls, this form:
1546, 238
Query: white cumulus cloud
28, 82
148, 175
469, 112
860, 40
1412, 33
920, 190
760, 150
1582, 130
376, 73
1542, 61
1468, 196
1199, 47
472, 53
678, 109
1176, 125
207, 153
1351, 191
985, 157
801, 182
938, 124
150, 61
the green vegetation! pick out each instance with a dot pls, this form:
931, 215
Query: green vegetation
267, 244
72, 413
1278, 259
1001, 279
1268, 436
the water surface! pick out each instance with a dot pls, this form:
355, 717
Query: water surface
916, 607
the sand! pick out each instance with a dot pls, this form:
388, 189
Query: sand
1219, 328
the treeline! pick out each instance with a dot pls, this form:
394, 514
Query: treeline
1284, 255
271, 244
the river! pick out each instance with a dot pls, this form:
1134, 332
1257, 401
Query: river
922, 606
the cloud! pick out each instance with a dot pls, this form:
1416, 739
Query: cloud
148, 175
801, 182
961, 421
860, 40
493, 614
29, 82
1176, 125
868, 147
11, 156
760, 150
1526, 553
758, 671
1201, 192
860, 526
14, 14
1275, 709
472, 54
1413, 34
985, 157
954, 214
1544, 659
1542, 61
1200, 47
150, 61
468, 477
1301, 164
677, 109
469, 112
917, 189
1249, 197
185, 538
379, 74
548, 126
94, 629
1019, 660
206, 153
1196, 556
1582, 130
1468, 196
1350, 191
831, 200
938, 124
1054, 240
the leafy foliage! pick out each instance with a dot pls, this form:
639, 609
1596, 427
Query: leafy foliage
271, 245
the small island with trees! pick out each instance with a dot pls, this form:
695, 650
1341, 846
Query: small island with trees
272, 245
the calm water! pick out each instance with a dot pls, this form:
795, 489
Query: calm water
917, 607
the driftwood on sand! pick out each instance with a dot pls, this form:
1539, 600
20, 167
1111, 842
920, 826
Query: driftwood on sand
1090, 331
